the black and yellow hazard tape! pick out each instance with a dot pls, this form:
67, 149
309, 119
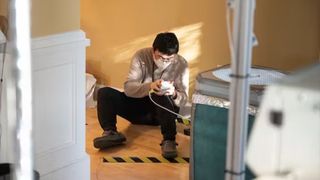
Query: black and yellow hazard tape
183, 121
145, 160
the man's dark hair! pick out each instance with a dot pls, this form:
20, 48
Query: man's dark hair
167, 43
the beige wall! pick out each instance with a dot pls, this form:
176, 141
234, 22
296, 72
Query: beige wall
288, 33
51, 16
54, 16
3, 7
118, 28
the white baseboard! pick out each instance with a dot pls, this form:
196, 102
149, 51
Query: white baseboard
71, 171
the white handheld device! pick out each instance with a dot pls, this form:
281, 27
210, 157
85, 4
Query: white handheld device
166, 85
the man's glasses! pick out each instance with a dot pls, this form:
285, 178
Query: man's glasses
163, 57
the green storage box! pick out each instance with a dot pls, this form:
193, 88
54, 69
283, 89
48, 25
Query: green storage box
210, 121
209, 139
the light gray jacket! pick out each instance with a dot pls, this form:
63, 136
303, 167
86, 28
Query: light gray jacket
143, 71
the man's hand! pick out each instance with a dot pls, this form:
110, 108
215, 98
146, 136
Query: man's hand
155, 86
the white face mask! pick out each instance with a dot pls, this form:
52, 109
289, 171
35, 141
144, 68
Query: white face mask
161, 64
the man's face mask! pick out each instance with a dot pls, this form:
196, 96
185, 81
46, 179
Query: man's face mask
161, 60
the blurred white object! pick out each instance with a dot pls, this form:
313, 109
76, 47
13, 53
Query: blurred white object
285, 140
167, 87
90, 88
2, 38
258, 75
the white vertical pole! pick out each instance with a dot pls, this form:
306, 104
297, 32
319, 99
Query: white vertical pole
239, 89
21, 47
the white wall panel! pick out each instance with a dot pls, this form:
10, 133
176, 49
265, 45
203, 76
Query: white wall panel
58, 67
54, 108
59, 105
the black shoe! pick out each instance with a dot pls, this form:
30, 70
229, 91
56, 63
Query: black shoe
169, 149
186, 131
109, 139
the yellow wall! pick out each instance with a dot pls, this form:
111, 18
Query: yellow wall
3, 7
118, 28
54, 16
288, 33
51, 16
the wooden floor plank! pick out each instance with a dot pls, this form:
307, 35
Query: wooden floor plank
142, 141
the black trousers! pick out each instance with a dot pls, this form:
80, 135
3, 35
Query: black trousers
112, 102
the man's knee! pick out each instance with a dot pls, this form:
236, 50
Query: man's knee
106, 92
166, 101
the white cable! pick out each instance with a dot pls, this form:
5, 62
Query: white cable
183, 117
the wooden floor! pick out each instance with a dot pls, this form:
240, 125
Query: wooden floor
142, 141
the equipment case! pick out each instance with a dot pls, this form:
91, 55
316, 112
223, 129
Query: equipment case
209, 118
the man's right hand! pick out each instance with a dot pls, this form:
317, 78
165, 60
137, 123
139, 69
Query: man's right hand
155, 86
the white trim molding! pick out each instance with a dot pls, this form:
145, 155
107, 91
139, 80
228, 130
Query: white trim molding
60, 39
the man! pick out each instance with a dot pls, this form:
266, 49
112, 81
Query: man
150, 69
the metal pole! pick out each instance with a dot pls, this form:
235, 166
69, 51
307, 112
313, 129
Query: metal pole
239, 89
21, 51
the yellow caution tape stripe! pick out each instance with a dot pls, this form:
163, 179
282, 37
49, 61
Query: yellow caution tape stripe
183, 121
145, 160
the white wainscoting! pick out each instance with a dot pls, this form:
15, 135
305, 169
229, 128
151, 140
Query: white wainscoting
58, 64
59, 106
